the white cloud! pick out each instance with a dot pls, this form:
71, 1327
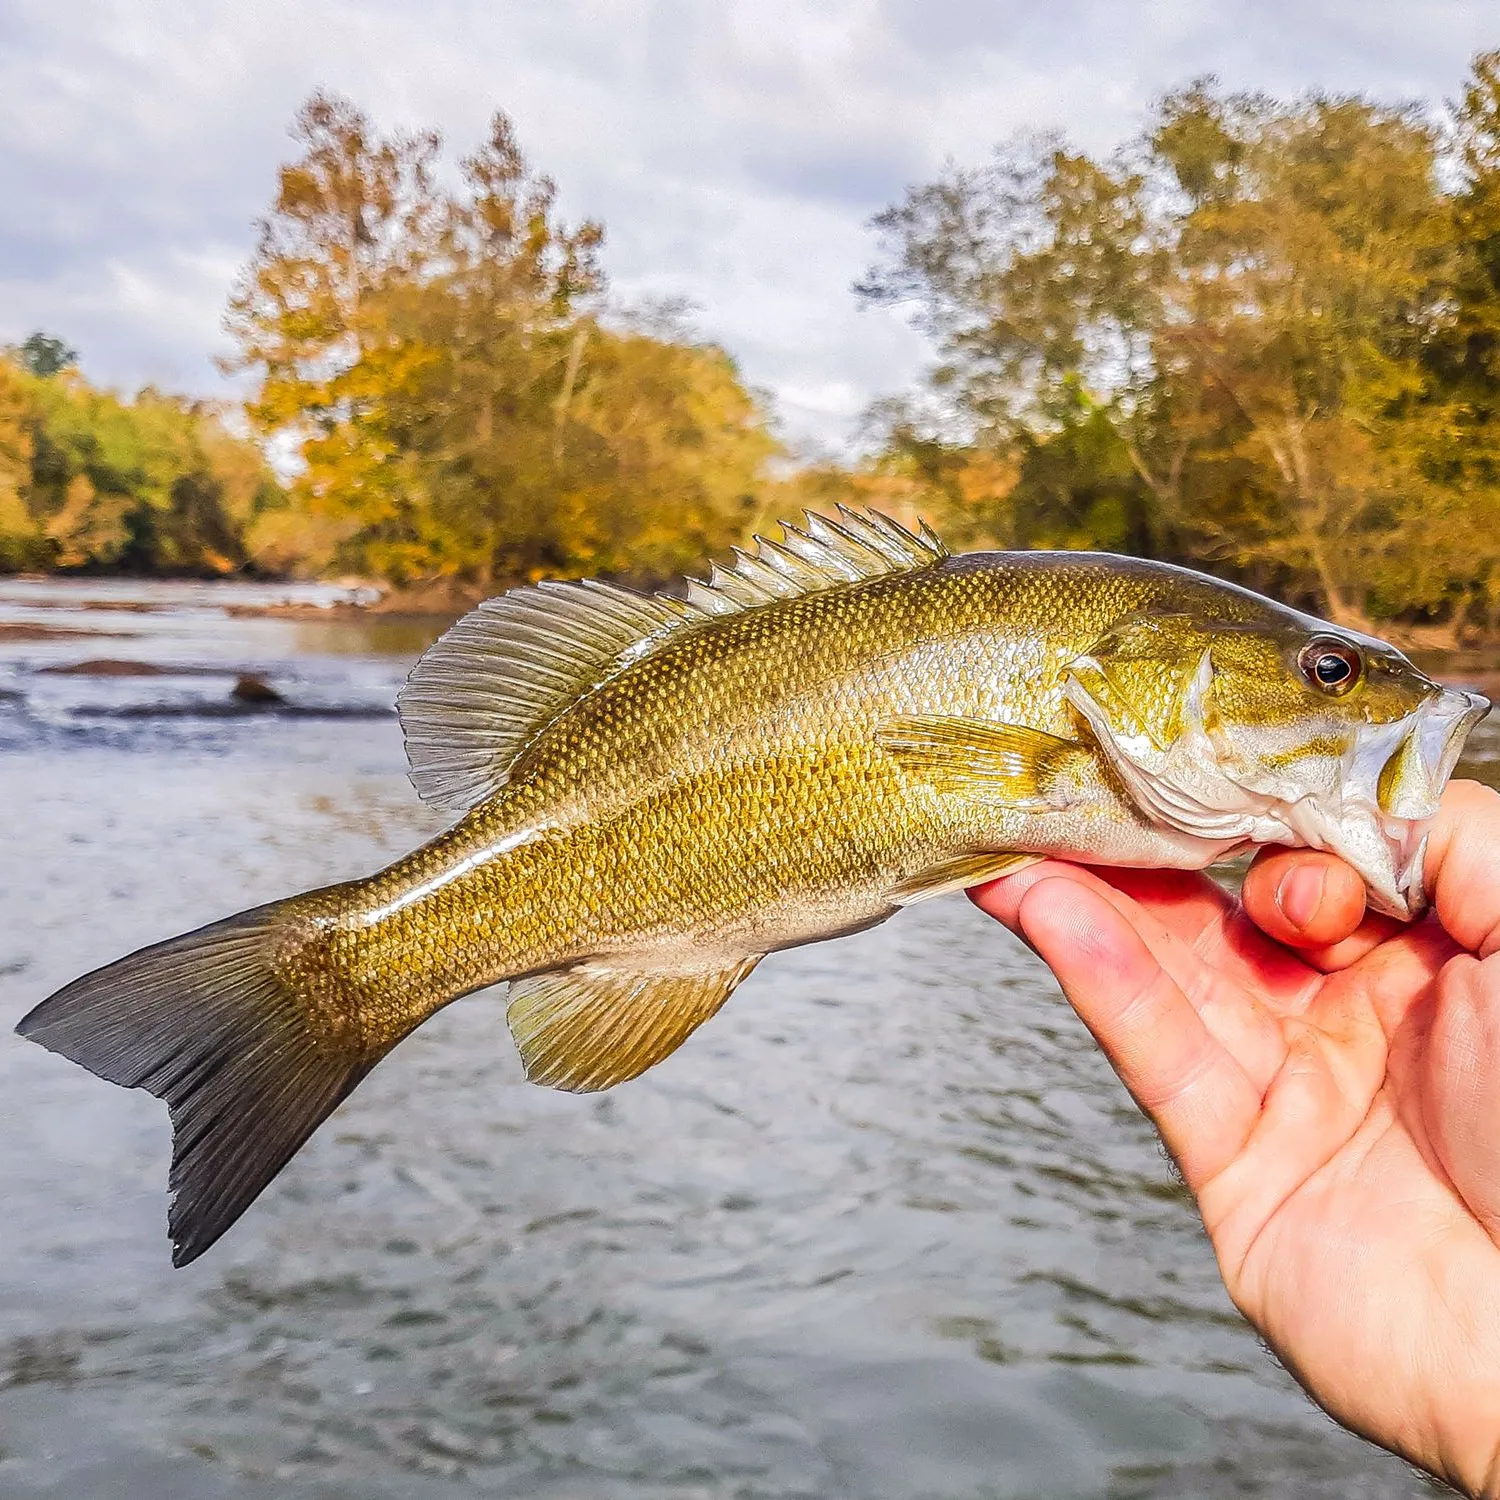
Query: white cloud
734, 149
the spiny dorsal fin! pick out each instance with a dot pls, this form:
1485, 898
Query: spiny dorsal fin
812, 558
505, 671
593, 1026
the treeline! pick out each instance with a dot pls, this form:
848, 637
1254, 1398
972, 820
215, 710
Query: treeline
1264, 338
438, 369
157, 484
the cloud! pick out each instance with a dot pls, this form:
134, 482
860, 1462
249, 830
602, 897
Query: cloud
735, 150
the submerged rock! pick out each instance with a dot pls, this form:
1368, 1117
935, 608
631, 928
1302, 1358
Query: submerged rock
255, 690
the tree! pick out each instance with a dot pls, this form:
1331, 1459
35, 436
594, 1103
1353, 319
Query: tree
87, 479
19, 537
1262, 336
45, 356
463, 405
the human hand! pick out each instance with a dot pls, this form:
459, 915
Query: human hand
1329, 1085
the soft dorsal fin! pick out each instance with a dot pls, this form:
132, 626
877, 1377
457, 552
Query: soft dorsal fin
505, 671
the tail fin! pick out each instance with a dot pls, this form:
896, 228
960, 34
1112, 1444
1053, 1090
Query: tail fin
203, 1022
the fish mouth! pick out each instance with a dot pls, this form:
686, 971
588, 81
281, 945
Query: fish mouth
1376, 821
1382, 824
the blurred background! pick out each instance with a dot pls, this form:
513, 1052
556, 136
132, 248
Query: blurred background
322, 322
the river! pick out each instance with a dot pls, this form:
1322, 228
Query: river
887, 1229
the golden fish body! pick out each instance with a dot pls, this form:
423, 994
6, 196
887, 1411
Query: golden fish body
738, 790
656, 793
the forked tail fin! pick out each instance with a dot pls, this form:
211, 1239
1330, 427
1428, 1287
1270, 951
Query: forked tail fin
203, 1022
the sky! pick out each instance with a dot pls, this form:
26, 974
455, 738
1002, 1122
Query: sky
734, 149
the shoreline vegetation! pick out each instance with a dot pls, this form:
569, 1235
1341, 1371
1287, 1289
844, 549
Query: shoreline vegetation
1261, 338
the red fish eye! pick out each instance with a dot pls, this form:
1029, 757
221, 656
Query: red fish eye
1330, 666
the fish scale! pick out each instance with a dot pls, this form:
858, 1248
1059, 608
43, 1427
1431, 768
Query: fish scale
653, 793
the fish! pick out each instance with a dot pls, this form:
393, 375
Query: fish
651, 792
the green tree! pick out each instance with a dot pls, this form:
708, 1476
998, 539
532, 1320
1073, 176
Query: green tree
44, 355
1262, 337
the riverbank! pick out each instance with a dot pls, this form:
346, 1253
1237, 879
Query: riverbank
446, 599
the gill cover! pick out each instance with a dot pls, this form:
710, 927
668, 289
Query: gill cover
1289, 768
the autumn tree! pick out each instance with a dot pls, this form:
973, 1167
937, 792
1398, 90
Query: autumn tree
463, 406
91, 479
20, 537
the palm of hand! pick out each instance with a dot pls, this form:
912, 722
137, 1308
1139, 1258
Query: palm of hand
1351, 1225
1332, 1111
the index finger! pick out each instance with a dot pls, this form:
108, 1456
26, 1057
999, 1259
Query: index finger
1199, 1096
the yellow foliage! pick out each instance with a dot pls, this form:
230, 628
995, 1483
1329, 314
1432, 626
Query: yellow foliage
88, 479
18, 530
459, 405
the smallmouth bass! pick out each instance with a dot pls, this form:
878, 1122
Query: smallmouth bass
652, 793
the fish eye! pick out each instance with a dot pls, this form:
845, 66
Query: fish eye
1332, 667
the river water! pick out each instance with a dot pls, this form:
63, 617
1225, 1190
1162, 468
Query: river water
887, 1229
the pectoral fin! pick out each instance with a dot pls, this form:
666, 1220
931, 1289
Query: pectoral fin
593, 1026
1024, 768
958, 874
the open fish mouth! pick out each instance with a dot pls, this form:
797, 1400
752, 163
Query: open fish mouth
1390, 797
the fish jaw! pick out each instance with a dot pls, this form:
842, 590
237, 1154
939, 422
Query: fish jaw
1381, 829
1206, 787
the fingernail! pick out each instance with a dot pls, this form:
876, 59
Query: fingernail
1300, 894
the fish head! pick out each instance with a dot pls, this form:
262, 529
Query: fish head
1271, 727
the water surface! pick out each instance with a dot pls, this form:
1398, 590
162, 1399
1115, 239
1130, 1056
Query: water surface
887, 1228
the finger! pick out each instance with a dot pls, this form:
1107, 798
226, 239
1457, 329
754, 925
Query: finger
1141, 907
1207, 929
1001, 899
1303, 898
1199, 1097
1237, 980
1314, 903
1463, 866
1193, 908
1215, 927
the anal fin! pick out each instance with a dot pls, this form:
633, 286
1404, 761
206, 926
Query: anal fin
1023, 768
592, 1026
958, 874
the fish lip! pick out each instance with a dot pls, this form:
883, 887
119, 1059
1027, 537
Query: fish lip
1465, 720
1389, 853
